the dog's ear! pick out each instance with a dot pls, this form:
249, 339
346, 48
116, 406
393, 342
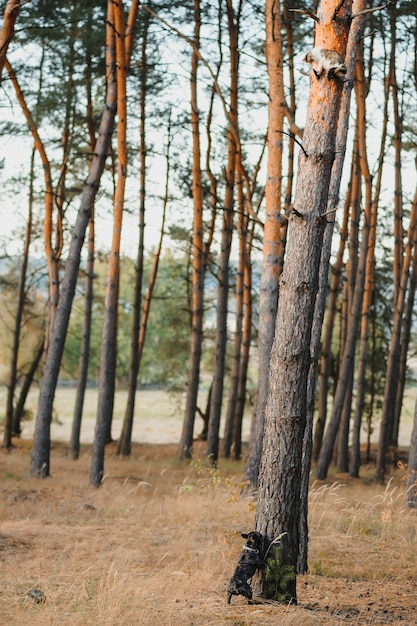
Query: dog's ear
244, 535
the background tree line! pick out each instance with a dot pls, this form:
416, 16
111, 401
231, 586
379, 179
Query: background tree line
187, 120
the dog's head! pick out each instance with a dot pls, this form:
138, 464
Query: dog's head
253, 540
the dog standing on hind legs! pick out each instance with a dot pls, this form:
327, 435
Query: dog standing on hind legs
250, 559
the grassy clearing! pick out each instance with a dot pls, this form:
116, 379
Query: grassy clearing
157, 543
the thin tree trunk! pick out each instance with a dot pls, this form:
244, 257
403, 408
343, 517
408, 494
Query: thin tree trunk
124, 444
226, 242
326, 354
25, 388
89, 277
198, 257
11, 389
237, 346
394, 350
244, 357
40, 462
109, 335
273, 248
51, 253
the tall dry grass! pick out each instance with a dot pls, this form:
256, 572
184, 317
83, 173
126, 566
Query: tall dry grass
157, 543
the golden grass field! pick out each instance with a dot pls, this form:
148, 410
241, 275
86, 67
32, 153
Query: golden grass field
157, 542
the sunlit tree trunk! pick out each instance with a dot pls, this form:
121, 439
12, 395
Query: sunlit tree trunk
272, 254
278, 509
40, 462
355, 35
394, 348
361, 93
326, 353
52, 253
11, 11
109, 334
124, 445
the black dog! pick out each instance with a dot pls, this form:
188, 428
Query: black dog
249, 561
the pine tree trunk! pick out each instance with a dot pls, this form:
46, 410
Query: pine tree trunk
11, 12
278, 510
273, 249
25, 388
89, 278
109, 334
198, 266
237, 346
355, 35
85, 346
125, 440
21, 293
212, 450
40, 463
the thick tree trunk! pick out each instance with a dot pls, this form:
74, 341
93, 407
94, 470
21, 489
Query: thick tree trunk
355, 35
278, 510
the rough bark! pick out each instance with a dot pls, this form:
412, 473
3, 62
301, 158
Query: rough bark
355, 35
278, 510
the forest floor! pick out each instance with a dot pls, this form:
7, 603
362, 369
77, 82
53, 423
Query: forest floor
156, 544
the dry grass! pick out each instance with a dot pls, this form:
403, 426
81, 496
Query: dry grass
157, 543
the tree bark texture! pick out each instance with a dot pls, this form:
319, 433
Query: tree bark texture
355, 35
273, 249
278, 509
